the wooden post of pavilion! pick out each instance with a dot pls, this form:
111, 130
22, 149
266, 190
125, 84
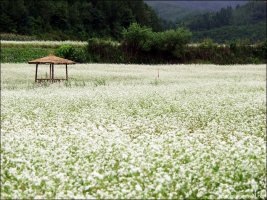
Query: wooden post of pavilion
66, 71
50, 71
53, 75
51, 60
36, 71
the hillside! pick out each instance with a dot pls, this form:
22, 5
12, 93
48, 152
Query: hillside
175, 10
250, 33
246, 22
71, 19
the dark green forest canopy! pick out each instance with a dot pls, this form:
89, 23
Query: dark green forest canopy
83, 19
74, 19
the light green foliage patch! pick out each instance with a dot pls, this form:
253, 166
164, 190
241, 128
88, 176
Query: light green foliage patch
117, 131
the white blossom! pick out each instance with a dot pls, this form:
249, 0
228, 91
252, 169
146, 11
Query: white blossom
197, 131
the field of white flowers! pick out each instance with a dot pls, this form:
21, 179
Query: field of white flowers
118, 131
41, 43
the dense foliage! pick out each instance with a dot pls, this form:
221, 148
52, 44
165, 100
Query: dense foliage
71, 19
72, 53
242, 54
142, 45
144, 39
83, 19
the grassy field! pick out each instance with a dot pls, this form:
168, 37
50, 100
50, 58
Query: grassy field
118, 131
23, 51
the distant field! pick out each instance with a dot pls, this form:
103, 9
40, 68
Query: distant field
24, 51
7, 43
117, 131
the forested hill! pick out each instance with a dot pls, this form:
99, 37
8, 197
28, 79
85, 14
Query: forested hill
242, 22
73, 19
175, 10
250, 13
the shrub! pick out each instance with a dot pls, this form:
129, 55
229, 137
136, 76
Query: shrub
100, 50
66, 51
172, 39
138, 38
77, 54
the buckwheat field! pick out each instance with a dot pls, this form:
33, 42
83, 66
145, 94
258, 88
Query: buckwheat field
119, 131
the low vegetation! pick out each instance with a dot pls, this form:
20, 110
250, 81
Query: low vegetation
119, 132
129, 131
140, 44
23, 54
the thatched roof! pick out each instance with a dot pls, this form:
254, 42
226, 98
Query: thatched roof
51, 59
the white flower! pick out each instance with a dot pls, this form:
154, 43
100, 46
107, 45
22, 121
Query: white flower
193, 133
138, 187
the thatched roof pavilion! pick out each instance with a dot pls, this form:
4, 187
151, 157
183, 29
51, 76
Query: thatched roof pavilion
51, 60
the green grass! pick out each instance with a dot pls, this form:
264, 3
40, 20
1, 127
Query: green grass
23, 54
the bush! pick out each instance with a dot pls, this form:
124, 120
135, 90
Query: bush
100, 50
77, 54
66, 51
137, 38
172, 40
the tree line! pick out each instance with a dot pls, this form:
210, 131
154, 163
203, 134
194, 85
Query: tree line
83, 19
74, 19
